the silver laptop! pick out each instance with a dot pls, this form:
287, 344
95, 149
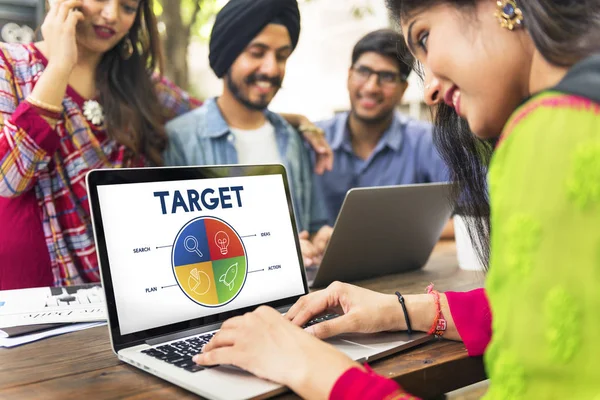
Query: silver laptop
384, 230
183, 249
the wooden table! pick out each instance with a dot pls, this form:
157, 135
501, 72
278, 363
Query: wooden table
81, 364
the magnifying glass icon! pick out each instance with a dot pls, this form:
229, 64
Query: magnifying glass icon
191, 244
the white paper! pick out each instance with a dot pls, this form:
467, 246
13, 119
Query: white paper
47, 305
24, 339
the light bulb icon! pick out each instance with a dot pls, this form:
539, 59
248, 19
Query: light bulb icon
222, 241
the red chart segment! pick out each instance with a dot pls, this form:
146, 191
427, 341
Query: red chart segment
223, 242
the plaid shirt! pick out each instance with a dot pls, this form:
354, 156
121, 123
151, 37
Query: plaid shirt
53, 162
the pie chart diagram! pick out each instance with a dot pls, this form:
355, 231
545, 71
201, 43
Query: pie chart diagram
209, 261
197, 281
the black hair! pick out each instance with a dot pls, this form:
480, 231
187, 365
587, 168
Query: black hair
127, 90
388, 43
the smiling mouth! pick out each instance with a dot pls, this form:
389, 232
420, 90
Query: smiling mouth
455, 98
370, 101
449, 95
452, 98
264, 87
263, 81
104, 32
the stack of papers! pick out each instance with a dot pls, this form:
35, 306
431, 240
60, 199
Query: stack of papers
18, 340
28, 315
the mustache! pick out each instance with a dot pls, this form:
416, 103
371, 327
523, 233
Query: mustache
273, 80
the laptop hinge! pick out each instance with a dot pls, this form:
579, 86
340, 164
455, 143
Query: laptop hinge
196, 331
178, 335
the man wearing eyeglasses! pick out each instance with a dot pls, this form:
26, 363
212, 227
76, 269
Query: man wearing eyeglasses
374, 144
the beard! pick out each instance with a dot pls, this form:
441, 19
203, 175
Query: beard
257, 105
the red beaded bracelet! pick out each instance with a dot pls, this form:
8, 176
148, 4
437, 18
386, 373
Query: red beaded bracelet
439, 325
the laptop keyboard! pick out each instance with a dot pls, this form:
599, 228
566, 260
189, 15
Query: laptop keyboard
320, 319
180, 353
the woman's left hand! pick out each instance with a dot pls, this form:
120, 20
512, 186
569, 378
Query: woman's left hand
266, 344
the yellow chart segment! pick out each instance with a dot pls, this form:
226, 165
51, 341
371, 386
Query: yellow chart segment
199, 282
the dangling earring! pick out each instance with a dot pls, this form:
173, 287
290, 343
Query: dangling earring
509, 14
126, 48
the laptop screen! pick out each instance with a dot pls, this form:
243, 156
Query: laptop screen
180, 250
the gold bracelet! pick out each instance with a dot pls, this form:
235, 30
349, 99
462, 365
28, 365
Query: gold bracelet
311, 128
44, 106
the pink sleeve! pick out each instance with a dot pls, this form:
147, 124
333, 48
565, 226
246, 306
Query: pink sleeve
356, 384
473, 319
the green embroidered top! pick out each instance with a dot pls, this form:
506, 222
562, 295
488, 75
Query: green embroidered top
544, 280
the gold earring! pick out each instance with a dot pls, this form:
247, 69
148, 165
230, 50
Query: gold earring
509, 14
126, 49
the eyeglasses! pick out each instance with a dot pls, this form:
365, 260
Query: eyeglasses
362, 74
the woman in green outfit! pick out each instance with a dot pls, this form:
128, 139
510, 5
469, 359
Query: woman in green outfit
524, 78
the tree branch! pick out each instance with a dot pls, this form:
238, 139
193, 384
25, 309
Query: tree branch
197, 7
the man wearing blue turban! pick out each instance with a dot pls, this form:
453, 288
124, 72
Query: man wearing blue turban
250, 44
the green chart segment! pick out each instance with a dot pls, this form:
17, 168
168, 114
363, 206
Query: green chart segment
209, 261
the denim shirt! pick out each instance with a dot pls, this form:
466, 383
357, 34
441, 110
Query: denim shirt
405, 154
202, 137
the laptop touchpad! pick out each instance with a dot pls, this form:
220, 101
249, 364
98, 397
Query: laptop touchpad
353, 350
378, 341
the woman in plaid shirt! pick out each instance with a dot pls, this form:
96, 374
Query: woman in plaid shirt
86, 97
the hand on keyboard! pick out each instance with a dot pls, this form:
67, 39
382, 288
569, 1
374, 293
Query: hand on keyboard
269, 346
180, 353
320, 319
361, 311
